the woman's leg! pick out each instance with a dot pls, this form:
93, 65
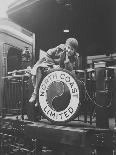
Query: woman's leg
31, 109
36, 80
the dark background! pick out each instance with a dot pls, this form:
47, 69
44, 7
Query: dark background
92, 22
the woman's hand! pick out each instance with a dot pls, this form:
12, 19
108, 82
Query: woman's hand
56, 66
66, 59
61, 46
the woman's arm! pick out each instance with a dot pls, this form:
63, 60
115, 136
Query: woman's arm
68, 64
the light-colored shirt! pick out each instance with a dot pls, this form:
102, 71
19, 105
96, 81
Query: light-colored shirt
54, 56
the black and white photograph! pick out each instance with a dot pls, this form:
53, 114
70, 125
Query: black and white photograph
57, 77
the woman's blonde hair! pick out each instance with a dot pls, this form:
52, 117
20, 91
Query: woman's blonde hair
72, 42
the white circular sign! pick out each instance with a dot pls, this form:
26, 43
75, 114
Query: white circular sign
69, 111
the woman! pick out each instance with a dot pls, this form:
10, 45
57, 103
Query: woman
63, 56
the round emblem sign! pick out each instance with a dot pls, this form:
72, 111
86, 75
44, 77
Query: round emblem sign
59, 96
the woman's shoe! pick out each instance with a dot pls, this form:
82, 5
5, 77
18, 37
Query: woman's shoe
33, 98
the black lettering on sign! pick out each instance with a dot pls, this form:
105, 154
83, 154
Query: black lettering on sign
50, 77
67, 79
46, 81
74, 90
66, 114
42, 93
52, 114
54, 76
45, 109
48, 111
43, 86
70, 109
71, 84
61, 115
62, 76
56, 116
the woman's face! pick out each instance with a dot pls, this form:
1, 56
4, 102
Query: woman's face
70, 50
